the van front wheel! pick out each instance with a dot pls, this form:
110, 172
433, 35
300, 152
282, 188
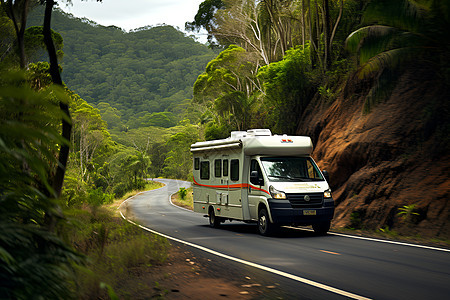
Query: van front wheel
214, 221
264, 226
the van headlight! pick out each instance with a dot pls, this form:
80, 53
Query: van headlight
327, 193
276, 194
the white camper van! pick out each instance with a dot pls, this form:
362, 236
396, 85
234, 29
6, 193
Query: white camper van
254, 176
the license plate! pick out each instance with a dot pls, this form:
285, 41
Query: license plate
309, 212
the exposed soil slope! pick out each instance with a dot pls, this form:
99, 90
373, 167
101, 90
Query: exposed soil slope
396, 155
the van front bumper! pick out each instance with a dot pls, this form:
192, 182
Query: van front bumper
282, 213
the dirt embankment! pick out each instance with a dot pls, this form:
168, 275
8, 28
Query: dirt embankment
396, 155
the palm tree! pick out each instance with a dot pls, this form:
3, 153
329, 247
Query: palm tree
396, 32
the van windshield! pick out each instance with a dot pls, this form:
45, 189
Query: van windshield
291, 168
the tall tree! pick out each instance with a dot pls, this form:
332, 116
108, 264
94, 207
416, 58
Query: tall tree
205, 18
17, 11
289, 89
227, 87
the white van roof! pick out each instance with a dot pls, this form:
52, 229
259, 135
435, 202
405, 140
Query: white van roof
259, 142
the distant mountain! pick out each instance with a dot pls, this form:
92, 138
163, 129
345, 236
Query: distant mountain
139, 73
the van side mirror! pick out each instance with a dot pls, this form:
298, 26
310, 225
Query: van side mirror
326, 175
254, 178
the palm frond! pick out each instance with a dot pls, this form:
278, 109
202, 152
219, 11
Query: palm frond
405, 15
385, 60
381, 90
370, 40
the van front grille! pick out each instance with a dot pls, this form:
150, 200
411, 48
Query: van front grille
305, 200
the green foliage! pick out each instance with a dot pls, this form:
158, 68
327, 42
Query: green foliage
111, 115
34, 41
355, 220
33, 260
214, 131
407, 212
182, 192
225, 88
288, 89
178, 160
205, 18
97, 197
157, 119
387, 232
7, 40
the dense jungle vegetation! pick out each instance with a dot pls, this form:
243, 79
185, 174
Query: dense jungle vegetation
110, 109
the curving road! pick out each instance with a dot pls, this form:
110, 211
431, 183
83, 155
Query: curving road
308, 266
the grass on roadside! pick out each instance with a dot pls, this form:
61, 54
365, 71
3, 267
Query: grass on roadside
187, 201
151, 185
115, 250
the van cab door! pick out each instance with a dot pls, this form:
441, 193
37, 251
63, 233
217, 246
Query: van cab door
256, 192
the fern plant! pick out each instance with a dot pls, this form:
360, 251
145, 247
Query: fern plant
34, 261
407, 212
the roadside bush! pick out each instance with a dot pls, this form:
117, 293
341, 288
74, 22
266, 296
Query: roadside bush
97, 197
182, 193
120, 189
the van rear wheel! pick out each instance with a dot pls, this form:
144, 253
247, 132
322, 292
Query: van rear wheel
214, 221
264, 226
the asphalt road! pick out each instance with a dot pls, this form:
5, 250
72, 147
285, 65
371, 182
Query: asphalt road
307, 266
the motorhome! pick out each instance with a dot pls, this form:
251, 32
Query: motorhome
254, 176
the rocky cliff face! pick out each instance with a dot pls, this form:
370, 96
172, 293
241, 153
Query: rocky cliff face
396, 155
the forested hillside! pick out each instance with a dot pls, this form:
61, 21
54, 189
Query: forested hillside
138, 73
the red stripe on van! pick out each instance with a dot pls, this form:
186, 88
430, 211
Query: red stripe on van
232, 186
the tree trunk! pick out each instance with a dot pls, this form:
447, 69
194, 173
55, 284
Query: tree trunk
326, 31
19, 28
58, 179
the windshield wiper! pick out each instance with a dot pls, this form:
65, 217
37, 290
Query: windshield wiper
303, 179
308, 179
282, 177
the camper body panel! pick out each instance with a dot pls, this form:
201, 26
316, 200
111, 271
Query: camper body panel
221, 189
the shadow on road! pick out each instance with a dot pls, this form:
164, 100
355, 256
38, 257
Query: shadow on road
282, 232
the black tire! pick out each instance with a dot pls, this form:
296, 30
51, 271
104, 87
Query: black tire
214, 221
264, 226
321, 228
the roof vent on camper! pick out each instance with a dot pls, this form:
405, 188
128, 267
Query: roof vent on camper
259, 132
238, 134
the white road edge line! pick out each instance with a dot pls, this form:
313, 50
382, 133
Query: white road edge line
390, 242
377, 240
248, 263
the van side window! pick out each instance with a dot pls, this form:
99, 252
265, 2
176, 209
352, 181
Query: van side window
204, 170
225, 167
197, 163
234, 166
254, 166
218, 168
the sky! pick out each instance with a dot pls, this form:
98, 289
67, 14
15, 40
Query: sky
132, 14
